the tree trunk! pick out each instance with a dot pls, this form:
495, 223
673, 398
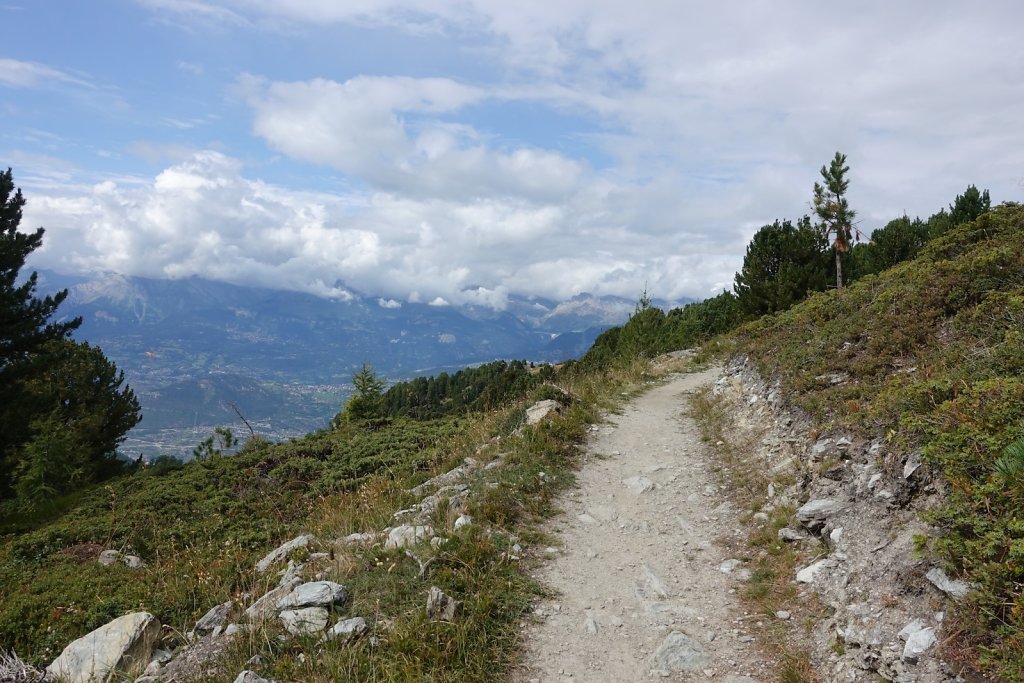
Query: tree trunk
839, 269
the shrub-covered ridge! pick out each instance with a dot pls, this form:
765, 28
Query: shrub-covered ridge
931, 354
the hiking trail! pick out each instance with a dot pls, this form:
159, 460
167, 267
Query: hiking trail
644, 587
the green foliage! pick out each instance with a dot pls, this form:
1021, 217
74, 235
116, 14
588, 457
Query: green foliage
933, 353
485, 387
366, 400
782, 264
215, 445
63, 406
832, 208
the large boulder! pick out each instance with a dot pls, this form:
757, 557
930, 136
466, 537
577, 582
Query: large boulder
541, 409
123, 646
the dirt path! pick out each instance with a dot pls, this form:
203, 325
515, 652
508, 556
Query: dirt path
641, 591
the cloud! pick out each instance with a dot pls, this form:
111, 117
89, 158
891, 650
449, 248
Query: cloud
389, 132
19, 74
204, 216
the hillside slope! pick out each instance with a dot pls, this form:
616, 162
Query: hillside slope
930, 356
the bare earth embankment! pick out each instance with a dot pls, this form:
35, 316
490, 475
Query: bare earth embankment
644, 587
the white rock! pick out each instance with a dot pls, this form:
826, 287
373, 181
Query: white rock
407, 535
266, 606
912, 464
836, 534
282, 551
358, 538
108, 557
783, 614
541, 409
124, 645
251, 677
808, 574
813, 514
918, 643
216, 616
679, 652
955, 588
347, 629
910, 629
305, 620
463, 520
787, 534
440, 607
133, 562
727, 566
639, 485
314, 594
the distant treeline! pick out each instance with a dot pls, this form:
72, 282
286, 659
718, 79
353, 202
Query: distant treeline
784, 264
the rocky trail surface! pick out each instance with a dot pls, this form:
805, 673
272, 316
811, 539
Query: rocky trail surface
644, 587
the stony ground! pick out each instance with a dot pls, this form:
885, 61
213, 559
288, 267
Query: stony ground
644, 587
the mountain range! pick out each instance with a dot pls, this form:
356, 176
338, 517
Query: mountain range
202, 353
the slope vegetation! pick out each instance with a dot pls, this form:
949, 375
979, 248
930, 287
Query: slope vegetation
930, 354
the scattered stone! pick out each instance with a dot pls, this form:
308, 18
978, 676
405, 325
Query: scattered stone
917, 644
252, 677
783, 614
314, 594
463, 520
590, 626
305, 620
836, 534
541, 409
436, 542
954, 588
679, 652
727, 566
815, 513
440, 607
217, 616
291, 573
359, 538
407, 535
347, 630
787, 534
808, 574
282, 551
266, 606
124, 645
912, 464
639, 485
109, 557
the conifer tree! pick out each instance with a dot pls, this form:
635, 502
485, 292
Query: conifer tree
832, 208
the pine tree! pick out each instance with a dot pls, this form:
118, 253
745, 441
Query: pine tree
832, 208
782, 264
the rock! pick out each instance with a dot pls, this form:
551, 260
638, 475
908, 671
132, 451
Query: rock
305, 620
912, 464
283, 550
954, 588
844, 443
639, 485
123, 646
541, 409
590, 626
406, 535
808, 574
346, 630
813, 514
291, 573
727, 566
266, 606
917, 643
463, 520
836, 534
314, 594
252, 677
819, 449
787, 534
217, 616
440, 607
910, 629
436, 542
358, 538
235, 629
783, 614
109, 557
679, 652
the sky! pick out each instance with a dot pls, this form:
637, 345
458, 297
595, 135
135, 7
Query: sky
462, 151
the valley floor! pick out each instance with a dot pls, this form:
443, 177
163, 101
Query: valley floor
643, 584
